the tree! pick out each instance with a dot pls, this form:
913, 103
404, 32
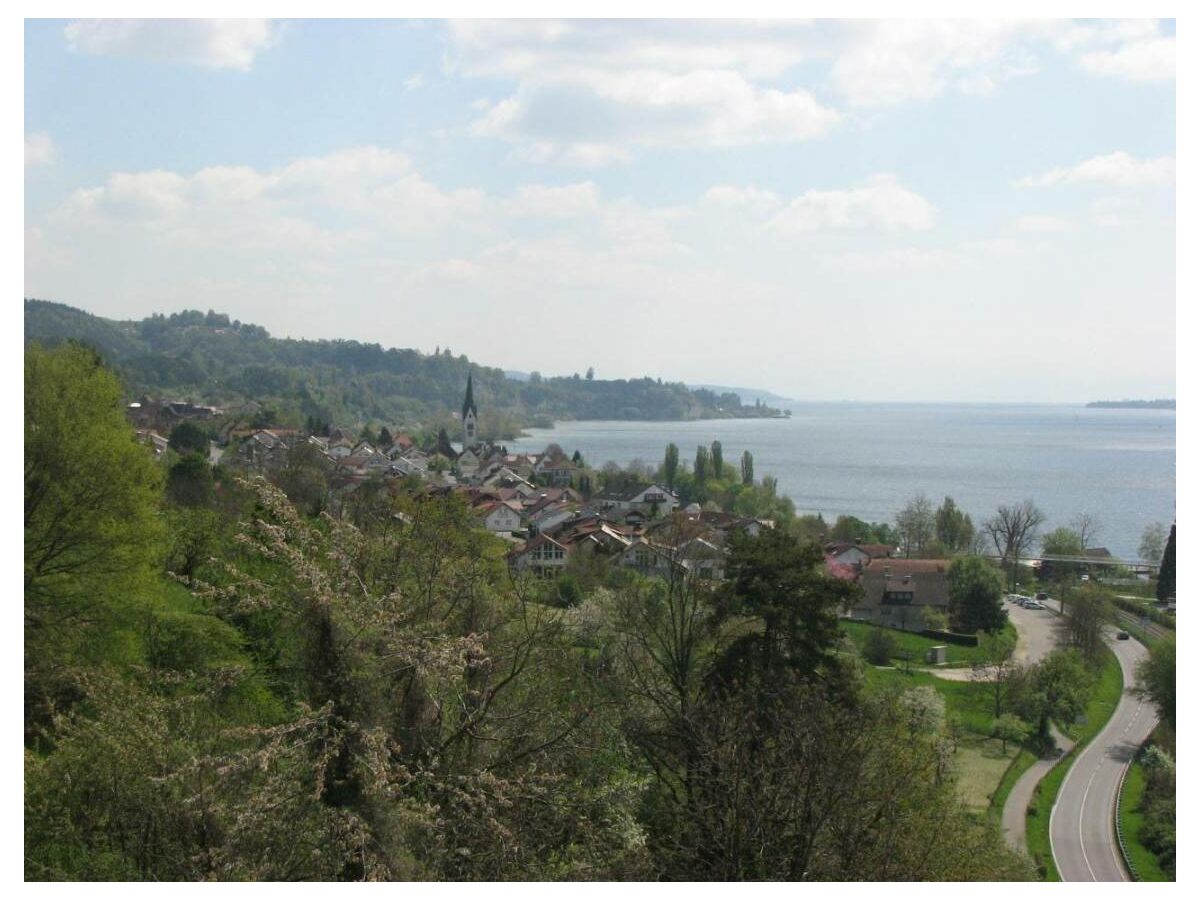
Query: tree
718, 460
92, 533
915, 525
385, 438
188, 437
878, 647
1056, 688
1009, 728
995, 664
952, 527
1061, 542
1087, 528
671, 465
190, 481
1154, 540
780, 582
591, 373
747, 468
1087, 609
1165, 588
90, 489
1013, 530
976, 590
700, 470
1156, 678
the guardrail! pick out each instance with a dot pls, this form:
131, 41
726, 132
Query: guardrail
1129, 866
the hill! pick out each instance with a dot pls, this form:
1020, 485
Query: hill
211, 358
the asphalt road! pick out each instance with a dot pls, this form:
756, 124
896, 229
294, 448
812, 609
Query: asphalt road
1082, 834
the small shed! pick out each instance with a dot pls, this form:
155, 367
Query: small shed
936, 655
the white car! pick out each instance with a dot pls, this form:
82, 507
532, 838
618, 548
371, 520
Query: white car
1033, 604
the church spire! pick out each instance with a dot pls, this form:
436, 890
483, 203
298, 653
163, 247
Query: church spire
470, 417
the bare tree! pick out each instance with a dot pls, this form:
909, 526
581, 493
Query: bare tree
1087, 527
1013, 530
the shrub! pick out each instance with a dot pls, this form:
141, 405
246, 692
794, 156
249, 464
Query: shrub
879, 647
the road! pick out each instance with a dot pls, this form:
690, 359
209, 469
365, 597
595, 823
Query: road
1082, 835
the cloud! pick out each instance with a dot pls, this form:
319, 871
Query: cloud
1118, 169
1131, 49
595, 121
1038, 224
39, 150
897, 259
211, 43
545, 201
594, 93
887, 63
879, 202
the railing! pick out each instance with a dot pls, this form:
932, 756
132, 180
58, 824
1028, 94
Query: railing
1128, 860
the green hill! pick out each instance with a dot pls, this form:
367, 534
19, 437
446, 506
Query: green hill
209, 358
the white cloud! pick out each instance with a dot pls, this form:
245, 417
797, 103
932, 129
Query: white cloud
212, 43
566, 201
897, 259
1118, 169
593, 93
879, 202
1038, 224
889, 62
1132, 49
39, 149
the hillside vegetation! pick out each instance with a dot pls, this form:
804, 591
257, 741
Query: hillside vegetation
209, 358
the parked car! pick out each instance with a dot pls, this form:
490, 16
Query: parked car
1122, 635
1033, 604
1041, 595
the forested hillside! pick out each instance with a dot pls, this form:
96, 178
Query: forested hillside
209, 358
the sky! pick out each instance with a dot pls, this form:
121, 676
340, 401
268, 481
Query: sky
926, 210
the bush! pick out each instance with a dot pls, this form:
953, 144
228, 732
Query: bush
879, 647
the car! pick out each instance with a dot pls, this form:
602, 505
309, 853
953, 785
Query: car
1122, 635
1033, 604
1041, 595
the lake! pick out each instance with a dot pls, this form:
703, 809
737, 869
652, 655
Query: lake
868, 459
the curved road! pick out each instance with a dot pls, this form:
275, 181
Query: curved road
1082, 835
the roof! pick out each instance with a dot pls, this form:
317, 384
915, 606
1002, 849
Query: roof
927, 582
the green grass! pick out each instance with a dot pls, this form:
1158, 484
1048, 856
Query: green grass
1144, 861
1037, 825
915, 644
982, 764
1020, 763
969, 701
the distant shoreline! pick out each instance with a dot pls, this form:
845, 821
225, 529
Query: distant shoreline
1132, 404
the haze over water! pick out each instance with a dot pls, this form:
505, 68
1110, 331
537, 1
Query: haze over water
867, 459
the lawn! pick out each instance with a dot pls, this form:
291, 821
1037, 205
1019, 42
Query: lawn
1015, 770
914, 644
1144, 862
1037, 826
981, 764
969, 701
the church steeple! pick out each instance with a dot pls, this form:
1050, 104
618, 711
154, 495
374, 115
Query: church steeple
470, 416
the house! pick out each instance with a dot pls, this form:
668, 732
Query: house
896, 592
651, 500
857, 555
556, 471
153, 439
497, 516
541, 556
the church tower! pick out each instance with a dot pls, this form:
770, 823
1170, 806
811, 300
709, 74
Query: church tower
470, 416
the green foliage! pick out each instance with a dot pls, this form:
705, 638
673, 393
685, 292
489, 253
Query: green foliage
953, 528
976, 589
188, 437
1057, 688
1156, 678
1165, 589
91, 528
671, 465
190, 481
1010, 728
231, 363
878, 647
747, 468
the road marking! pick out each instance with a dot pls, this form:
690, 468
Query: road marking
1082, 807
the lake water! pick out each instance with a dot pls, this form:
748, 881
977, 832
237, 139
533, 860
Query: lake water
868, 460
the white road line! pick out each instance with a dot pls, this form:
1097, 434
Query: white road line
1082, 807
